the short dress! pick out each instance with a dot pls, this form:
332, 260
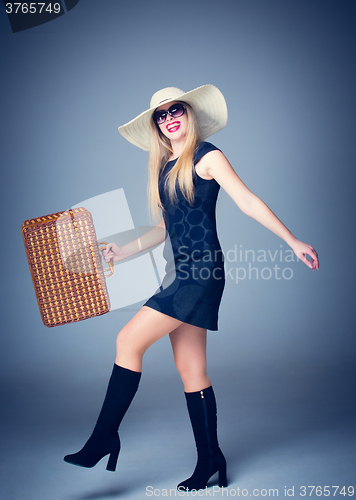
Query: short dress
193, 285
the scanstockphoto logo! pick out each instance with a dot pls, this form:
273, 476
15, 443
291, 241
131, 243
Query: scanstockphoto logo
147, 272
239, 264
149, 265
27, 15
259, 264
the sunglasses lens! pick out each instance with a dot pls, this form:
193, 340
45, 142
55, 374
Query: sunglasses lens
160, 117
176, 110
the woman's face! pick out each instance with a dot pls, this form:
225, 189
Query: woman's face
173, 128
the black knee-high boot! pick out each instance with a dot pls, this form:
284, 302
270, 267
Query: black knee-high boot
202, 413
104, 439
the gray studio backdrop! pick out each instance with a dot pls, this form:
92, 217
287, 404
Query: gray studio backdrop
282, 362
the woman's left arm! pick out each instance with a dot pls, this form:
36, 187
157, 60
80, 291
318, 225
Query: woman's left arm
217, 166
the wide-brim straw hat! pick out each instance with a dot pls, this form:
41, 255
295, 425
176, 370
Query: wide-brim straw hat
207, 102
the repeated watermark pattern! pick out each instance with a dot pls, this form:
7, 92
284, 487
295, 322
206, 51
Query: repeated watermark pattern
154, 261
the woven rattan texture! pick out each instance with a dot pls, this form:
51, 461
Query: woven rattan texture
66, 269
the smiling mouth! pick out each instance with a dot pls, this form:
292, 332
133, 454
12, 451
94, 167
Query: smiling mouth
173, 127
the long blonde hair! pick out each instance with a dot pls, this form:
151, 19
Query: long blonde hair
160, 151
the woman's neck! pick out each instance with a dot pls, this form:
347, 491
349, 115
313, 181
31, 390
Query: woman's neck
177, 147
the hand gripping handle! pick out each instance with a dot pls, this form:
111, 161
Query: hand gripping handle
110, 269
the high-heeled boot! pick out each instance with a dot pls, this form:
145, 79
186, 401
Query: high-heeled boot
104, 439
202, 413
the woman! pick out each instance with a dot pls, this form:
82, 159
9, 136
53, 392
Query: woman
185, 175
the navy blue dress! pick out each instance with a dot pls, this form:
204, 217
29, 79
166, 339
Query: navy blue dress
193, 285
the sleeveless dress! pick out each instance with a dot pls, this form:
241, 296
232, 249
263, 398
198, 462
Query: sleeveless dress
193, 285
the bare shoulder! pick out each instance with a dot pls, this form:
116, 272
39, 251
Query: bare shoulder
217, 166
204, 165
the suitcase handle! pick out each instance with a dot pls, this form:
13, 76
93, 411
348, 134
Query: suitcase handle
102, 245
110, 269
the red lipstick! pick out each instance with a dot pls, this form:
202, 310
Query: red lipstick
173, 127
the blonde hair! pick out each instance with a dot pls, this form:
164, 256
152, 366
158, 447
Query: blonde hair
160, 151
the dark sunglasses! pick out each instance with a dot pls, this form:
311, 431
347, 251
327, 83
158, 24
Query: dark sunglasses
175, 111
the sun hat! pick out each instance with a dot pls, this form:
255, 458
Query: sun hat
207, 102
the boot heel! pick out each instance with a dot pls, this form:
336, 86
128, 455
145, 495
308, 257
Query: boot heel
111, 466
222, 476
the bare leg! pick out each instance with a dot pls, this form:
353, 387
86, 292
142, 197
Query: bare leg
189, 350
145, 328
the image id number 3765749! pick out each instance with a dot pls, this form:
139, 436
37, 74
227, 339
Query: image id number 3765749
32, 8
325, 491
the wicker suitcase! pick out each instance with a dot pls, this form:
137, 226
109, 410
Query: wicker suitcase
66, 266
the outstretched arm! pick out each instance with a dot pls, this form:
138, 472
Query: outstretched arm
217, 166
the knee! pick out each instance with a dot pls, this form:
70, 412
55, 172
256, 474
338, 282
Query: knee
126, 345
123, 344
191, 372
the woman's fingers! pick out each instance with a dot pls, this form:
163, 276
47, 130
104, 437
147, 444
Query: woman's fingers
315, 257
306, 261
112, 251
313, 263
303, 250
107, 252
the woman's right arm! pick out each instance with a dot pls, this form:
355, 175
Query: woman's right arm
152, 238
